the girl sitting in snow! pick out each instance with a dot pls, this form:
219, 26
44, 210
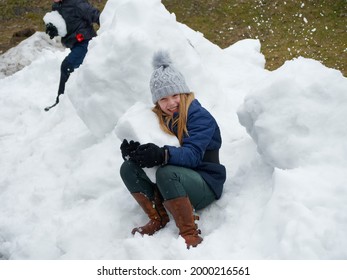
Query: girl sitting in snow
189, 176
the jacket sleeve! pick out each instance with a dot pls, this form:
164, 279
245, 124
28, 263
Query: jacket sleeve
201, 128
55, 6
89, 13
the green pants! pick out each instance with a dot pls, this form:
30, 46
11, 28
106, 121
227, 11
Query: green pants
172, 182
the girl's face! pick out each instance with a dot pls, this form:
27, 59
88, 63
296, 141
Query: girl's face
170, 104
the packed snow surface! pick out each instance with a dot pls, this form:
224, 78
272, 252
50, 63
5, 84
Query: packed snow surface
284, 147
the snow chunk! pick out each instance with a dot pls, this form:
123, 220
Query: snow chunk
57, 20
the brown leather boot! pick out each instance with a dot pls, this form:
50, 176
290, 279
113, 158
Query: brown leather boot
182, 211
156, 212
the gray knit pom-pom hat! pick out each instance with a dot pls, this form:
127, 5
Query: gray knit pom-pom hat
165, 80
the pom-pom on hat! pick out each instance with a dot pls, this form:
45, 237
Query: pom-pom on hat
165, 80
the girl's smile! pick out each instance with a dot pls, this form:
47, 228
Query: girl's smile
170, 104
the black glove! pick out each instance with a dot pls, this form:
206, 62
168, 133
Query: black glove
128, 149
51, 30
149, 155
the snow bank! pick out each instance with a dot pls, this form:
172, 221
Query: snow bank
304, 114
60, 190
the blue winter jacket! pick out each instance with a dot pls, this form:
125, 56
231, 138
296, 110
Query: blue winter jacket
203, 137
79, 17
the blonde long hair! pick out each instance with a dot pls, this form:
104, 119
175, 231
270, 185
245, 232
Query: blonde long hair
180, 121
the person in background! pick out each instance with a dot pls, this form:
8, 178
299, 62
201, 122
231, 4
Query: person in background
79, 17
189, 176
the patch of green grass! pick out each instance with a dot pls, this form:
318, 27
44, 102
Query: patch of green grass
286, 29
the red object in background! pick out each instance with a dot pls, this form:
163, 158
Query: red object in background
79, 37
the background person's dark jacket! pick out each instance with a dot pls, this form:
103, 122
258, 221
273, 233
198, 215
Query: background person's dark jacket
79, 17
